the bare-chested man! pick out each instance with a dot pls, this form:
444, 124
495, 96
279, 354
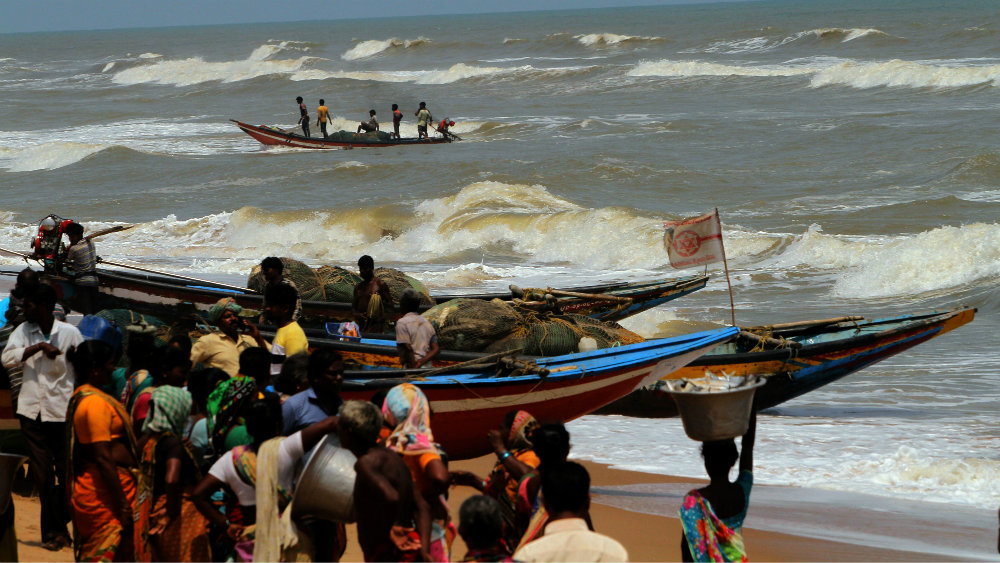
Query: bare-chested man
370, 313
383, 489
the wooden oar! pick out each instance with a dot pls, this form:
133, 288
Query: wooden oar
483, 360
21, 254
178, 276
597, 296
108, 231
801, 324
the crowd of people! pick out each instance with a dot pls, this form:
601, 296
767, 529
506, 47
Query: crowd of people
423, 115
191, 452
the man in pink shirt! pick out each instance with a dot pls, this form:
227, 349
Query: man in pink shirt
415, 336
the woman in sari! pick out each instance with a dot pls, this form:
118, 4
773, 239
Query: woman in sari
260, 476
516, 460
407, 412
712, 516
551, 443
178, 531
102, 468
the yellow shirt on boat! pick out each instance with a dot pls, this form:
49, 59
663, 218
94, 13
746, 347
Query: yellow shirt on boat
324, 113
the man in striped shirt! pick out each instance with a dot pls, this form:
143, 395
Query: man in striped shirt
81, 257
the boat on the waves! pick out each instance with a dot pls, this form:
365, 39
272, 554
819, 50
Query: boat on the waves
166, 297
796, 358
469, 401
276, 136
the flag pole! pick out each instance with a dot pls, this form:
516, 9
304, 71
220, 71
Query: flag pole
725, 263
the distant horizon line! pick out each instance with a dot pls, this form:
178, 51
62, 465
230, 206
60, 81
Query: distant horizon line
128, 26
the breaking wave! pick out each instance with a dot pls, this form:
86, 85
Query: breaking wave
841, 34
934, 260
195, 70
684, 69
910, 74
762, 44
454, 73
373, 47
592, 39
46, 156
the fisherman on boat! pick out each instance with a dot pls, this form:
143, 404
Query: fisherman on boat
372, 298
415, 336
370, 125
323, 114
81, 258
303, 117
443, 127
423, 118
397, 116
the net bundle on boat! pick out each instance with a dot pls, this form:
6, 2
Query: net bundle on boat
336, 284
351, 136
475, 325
399, 282
326, 283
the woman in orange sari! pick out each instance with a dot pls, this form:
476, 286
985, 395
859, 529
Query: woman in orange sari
102, 467
516, 462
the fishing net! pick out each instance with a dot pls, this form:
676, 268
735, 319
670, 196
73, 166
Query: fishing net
351, 136
495, 326
399, 282
326, 283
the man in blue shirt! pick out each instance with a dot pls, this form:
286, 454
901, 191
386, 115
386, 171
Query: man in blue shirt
322, 398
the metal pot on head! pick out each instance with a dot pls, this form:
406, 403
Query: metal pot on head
326, 485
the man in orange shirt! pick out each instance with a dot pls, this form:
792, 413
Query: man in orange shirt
324, 117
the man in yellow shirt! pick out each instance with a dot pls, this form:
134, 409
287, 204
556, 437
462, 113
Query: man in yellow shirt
222, 349
324, 117
290, 338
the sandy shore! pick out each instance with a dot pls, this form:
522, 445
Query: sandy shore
647, 537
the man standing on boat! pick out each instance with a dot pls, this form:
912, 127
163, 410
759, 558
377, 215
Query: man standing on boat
303, 116
274, 273
397, 116
81, 257
324, 117
423, 118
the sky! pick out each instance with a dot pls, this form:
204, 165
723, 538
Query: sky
61, 15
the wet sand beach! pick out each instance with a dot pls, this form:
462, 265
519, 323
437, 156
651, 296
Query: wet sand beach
647, 537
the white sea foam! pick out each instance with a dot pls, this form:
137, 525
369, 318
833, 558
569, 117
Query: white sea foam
150, 56
911, 74
108, 66
592, 39
373, 47
683, 69
844, 34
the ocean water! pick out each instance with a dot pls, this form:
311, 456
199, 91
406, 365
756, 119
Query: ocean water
851, 148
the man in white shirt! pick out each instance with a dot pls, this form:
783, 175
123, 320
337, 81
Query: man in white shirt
566, 497
39, 346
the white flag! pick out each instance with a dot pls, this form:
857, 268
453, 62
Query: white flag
695, 241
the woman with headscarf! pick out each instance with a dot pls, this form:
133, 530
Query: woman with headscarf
178, 532
102, 466
516, 459
222, 349
407, 411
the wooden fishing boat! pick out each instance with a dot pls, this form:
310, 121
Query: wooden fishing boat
468, 402
796, 358
276, 136
167, 297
